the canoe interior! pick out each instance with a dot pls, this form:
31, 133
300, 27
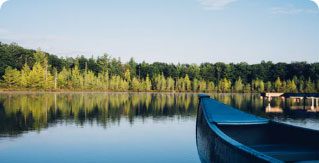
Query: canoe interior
244, 142
220, 113
214, 146
283, 142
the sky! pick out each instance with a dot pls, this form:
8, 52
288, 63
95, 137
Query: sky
172, 31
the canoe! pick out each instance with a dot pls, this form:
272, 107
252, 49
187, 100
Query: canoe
226, 134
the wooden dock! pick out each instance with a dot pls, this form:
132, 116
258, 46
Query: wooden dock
290, 95
296, 96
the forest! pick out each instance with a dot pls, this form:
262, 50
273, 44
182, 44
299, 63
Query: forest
28, 69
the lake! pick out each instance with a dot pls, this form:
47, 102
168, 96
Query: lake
119, 127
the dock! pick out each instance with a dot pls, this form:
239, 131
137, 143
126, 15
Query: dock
295, 96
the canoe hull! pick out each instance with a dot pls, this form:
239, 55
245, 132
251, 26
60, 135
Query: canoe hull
213, 146
223, 140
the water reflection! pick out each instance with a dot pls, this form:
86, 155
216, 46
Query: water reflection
35, 111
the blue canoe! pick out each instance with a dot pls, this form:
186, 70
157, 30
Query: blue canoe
225, 134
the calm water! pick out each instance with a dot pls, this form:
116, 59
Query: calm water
118, 127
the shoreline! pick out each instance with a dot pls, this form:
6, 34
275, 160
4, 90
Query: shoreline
95, 91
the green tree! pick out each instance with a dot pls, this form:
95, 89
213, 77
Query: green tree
211, 87
76, 78
301, 86
103, 78
24, 78
41, 58
64, 79
187, 77
247, 88
195, 85
268, 86
258, 85
180, 85
90, 80
127, 75
239, 86
309, 86
202, 86
224, 85
261, 86
291, 87
49, 80
11, 77
148, 84
285, 86
160, 83
278, 85
37, 76
118, 84
136, 86
188, 85
170, 84
123, 85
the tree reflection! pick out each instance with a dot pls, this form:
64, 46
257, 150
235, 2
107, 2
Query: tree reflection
23, 112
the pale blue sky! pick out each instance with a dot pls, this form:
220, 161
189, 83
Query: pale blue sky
185, 31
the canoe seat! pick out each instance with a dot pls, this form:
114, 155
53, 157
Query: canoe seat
290, 153
222, 114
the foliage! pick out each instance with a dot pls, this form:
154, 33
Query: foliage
239, 86
11, 77
24, 68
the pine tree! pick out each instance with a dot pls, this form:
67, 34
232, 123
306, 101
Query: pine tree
195, 85
160, 83
76, 78
102, 81
291, 87
224, 85
268, 86
127, 75
105, 79
188, 85
255, 85
301, 86
64, 79
24, 78
278, 85
180, 85
239, 86
211, 87
247, 88
136, 86
37, 76
90, 81
123, 84
41, 58
202, 86
11, 77
309, 86
170, 84
115, 83
261, 86
49, 81
148, 84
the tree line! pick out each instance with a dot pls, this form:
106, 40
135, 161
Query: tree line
22, 68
